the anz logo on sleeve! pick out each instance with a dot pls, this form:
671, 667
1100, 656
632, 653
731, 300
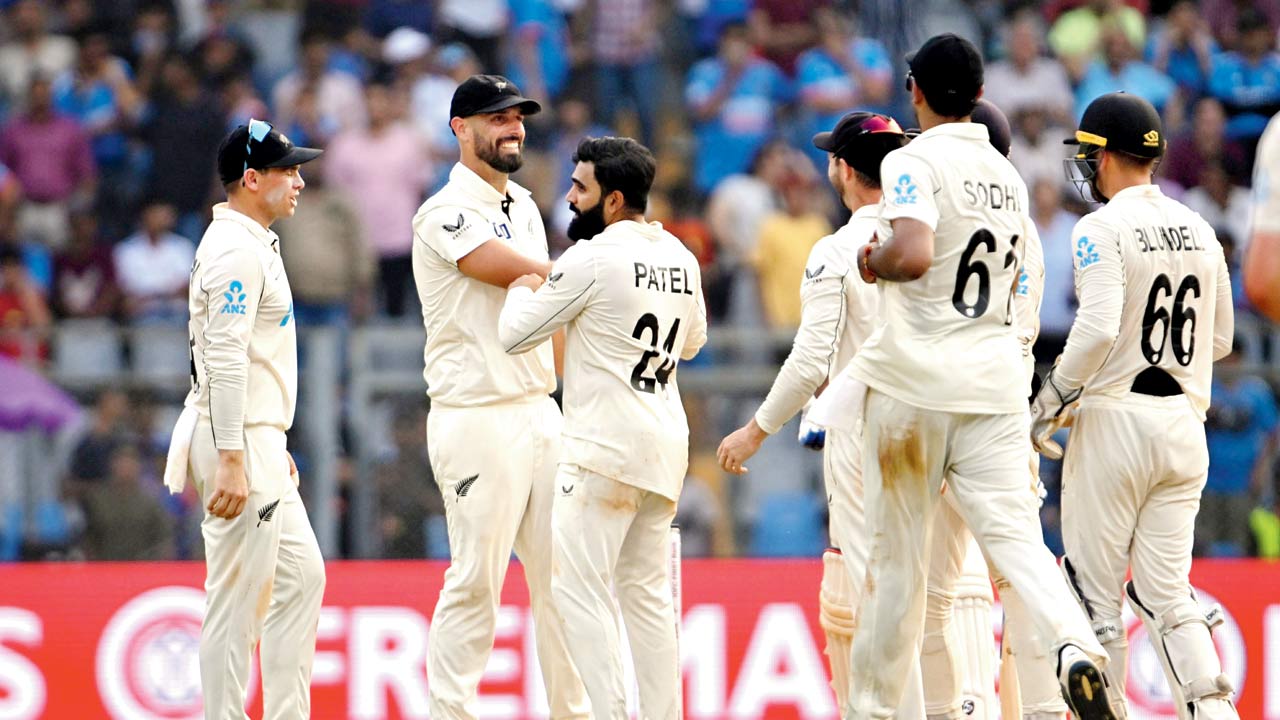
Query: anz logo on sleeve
904, 193
1086, 252
235, 299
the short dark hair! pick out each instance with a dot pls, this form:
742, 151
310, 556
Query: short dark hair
949, 105
870, 181
621, 164
1131, 160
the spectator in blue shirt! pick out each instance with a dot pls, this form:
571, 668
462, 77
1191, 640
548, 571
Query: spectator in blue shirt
1247, 82
710, 23
841, 73
99, 93
1119, 69
538, 49
1239, 426
733, 98
1184, 49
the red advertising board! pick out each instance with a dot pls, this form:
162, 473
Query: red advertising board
120, 641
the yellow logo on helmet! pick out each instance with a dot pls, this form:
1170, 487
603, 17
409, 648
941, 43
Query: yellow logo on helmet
1151, 139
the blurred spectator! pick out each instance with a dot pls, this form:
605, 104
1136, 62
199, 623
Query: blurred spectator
1239, 427
338, 97
10, 200
153, 266
786, 238
1119, 69
24, 316
32, 51
1224, 17
841, 73
385, 170
733, 99
1223, 204
84, 275
538, 49
99, 94
108, 428
624, 45
123, 519
1247, 81
1054, 225
431, 90
151, 40
408, 496
330, 263
782, 29
574, 122
184, 128
381, 17
241, 101
1077, 36
1026, 80
1036, 147
1189, 152
478, 24
735, 211
50, 155
709, 18
1184, 48
221, 56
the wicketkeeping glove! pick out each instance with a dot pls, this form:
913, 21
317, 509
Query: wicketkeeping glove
1050, 410
812, 436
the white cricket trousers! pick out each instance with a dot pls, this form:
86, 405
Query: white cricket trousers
607, 536
265, 582
908, 451
496, 468
842, 476
1131, 483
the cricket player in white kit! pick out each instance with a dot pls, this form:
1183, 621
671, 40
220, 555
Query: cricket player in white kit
472, 239
1155, 312
630, 295
838, 313
941, 401
265, 573
1261, 265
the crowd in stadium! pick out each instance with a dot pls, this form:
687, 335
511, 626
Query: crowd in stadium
111, 114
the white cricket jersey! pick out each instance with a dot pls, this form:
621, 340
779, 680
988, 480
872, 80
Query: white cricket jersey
1027, 299
244, 348
1154, 291
464, 364
1266, 181
949, 339
632, 300
838, 313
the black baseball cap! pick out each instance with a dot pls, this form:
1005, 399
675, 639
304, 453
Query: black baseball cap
862, 139
947, 64
258, 145
481, 94
986, 113
1124, 122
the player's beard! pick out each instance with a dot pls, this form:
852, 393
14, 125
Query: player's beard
491, 153
586, 224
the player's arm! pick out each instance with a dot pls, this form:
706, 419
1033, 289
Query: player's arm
1029, 292
530, 315
807, 365
1224, 313
697, 322
903, 248
465, 240
232, 284
1099, 275
1262, 259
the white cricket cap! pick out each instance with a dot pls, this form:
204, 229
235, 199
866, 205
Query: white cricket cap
405, 44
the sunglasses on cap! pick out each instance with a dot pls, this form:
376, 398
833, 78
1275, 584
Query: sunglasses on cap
909, 82
871, 125
258, 131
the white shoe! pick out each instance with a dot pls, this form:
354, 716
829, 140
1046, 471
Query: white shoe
1082, 685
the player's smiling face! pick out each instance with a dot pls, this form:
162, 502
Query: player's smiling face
499, 138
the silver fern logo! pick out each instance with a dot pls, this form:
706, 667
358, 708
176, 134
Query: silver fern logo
266, 511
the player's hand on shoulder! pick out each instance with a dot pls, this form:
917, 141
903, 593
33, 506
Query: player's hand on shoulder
529, 280
230, 487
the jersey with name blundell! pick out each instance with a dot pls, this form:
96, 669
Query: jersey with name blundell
464, 364
949, 339
1151, 270
632, 300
